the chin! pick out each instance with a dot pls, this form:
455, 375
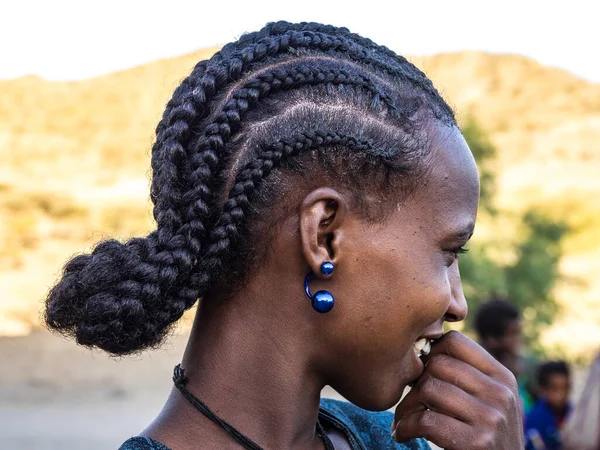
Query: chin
379, 395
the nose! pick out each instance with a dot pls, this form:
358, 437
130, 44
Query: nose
457, 310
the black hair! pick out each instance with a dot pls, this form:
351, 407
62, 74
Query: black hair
493, 317
550, 368
280, 111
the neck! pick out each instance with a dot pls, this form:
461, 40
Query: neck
251, 374
557, 410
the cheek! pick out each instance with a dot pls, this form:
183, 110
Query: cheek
557, 397
412, 293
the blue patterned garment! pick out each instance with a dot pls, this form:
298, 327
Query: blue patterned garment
542, 427
365, 430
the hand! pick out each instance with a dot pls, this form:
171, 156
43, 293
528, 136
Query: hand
464, 400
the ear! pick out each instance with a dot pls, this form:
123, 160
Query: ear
321, 215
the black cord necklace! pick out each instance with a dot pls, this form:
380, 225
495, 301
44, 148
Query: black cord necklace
180, 381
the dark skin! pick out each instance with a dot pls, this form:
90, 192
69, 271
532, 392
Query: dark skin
506, 348
556, 392
507, 344
260, 359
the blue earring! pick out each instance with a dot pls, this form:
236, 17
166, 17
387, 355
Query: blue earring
322, 301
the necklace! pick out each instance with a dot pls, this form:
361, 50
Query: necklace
180, 381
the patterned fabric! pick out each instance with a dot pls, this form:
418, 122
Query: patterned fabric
142, 443
372, 429
369, 430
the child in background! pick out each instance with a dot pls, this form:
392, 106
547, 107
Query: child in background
544, 421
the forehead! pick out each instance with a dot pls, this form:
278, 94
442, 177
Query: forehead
513, 326
558, 379
449, 192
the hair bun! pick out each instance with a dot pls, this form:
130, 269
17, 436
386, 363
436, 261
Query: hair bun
112, 298
216, 131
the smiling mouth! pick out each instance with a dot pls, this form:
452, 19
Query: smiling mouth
422, 347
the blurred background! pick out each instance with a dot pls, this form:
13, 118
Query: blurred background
83, 84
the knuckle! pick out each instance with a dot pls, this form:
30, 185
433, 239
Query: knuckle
438, 361
496, 419
484, 441
506, 377
431, 387
426, 420
511, 381
504, 396
509, 398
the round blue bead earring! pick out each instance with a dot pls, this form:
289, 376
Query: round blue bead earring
322, 301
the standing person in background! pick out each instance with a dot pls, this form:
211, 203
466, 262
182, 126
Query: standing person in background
498, 327
546, 418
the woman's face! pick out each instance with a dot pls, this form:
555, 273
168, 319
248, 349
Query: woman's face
398, 281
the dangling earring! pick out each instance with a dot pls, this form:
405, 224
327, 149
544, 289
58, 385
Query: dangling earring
322, 301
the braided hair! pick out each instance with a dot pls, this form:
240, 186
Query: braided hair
288, 108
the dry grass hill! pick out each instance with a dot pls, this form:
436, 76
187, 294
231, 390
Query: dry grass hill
74, 160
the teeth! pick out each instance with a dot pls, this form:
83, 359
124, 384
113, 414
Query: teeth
422, 347
420, 344
427, 348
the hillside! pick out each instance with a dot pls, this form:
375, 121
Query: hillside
75, 156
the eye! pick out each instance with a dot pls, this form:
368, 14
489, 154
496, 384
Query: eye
453, 254
459, 250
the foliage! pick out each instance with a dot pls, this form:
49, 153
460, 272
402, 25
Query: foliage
485, 154
529, 281
528, 277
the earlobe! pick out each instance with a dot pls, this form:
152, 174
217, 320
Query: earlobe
321, 217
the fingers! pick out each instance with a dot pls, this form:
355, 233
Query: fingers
464, 399
460, 347
444, 431
499, 391
442, 397
458, 373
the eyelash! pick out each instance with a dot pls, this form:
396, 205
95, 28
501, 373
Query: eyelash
455, 252
460, 250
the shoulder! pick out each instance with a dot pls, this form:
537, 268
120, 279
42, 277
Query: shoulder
373, 429
142, 443
538, 415
538, 408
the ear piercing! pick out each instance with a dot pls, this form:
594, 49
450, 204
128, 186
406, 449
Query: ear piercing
322, 301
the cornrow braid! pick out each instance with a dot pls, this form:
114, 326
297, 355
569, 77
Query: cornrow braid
218, 132
207, 77
225, 235
216, 73
124, 297
396, 65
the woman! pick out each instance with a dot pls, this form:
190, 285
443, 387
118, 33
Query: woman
314, 191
